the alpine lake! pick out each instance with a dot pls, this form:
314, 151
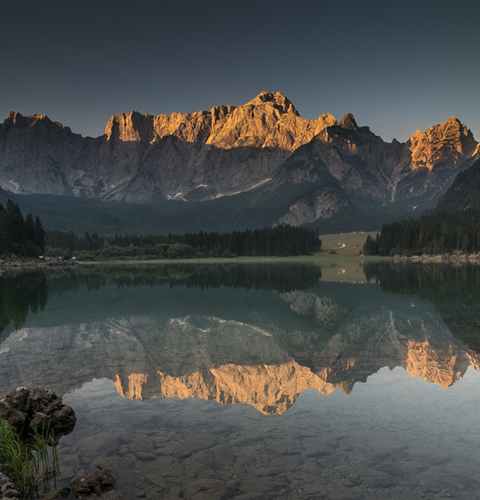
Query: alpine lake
300, 379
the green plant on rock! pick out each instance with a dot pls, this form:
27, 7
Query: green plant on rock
26, 463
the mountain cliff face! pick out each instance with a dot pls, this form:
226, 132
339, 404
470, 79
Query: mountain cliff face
463, 193
268, 121
441, 145
313, 169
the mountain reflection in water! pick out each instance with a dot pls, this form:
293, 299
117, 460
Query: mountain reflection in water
145, 355
256, 334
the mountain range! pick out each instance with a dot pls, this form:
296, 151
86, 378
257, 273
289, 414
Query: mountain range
254, 165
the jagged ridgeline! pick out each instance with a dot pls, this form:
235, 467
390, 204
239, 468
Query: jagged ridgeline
19, 235
255, 165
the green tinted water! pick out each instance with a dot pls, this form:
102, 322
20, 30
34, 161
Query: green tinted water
257, 380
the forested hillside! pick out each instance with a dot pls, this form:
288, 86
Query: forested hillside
19, 235
437, 233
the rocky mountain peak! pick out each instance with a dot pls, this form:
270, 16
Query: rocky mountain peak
446, 142
13, 116
348, 122
454, 121
39, 126
128, 127
275, 99
16, 118
268, 121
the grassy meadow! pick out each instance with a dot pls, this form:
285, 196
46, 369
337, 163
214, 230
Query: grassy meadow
343, 244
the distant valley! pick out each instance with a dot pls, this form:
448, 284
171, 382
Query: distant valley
256, 165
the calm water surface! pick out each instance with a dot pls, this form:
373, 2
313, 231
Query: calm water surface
257, 381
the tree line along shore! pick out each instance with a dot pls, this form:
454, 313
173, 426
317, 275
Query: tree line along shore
437, 234
278, 241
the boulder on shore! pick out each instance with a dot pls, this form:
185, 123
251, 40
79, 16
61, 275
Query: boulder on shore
26, 409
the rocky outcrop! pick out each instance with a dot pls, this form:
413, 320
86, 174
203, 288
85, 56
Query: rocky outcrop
323, 203
27, 409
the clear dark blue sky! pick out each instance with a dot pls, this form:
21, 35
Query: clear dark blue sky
397, 66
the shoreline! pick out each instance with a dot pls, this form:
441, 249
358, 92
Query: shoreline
20, 263
453, 258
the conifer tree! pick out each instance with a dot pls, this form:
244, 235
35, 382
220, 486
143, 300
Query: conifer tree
39, 235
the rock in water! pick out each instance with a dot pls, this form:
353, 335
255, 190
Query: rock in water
101, 481
7, 489
56, 495
25, 409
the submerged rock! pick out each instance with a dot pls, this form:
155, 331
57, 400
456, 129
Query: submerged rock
101, 481
7, 488
56, 495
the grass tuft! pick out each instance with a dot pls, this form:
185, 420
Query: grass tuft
26, 464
